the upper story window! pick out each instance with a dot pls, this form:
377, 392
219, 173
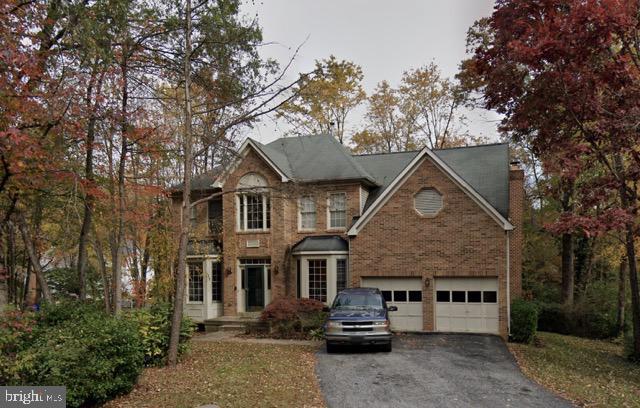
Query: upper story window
193, 216
307, 213
337, 210
253, 204
215, 216
428, 202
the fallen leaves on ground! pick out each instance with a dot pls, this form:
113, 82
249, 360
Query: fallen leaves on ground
592, 373
231, 375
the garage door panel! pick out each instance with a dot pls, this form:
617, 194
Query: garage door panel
472, 311
408, 317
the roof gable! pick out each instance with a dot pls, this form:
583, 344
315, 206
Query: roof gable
383, 196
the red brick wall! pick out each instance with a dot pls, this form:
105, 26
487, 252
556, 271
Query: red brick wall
277, 242
462, 240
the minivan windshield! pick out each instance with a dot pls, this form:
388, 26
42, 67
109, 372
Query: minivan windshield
358, 301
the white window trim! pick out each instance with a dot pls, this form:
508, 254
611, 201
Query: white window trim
300, 229
346, 211
241, 217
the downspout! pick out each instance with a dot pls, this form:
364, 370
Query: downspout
508, 286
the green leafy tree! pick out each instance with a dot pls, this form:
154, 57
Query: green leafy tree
325, 99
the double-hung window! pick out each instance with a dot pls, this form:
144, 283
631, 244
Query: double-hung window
253, 212
341, 274
337, 210
307, 214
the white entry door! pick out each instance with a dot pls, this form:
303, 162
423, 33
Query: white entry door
406, 294
467, 305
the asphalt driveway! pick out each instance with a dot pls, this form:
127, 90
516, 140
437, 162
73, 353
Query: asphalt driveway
430, 371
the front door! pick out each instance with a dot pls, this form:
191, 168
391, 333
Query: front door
254, 278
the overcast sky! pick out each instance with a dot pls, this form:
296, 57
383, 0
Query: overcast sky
385, 38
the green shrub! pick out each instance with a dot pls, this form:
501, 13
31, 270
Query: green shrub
97, 357
54, 314
524, 321
16, 334
587, 318
287, 316
154, 325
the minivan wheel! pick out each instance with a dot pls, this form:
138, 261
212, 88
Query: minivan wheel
331, 348
387, 347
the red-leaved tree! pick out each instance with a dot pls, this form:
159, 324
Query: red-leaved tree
567, 72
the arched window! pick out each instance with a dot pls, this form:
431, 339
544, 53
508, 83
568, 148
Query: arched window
253, 203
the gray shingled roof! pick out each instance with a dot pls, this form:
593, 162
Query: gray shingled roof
314, 158
484, 167
324, 243
323, 158
384, 168
200, 181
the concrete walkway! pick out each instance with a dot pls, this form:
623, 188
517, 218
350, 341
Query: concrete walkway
232, 336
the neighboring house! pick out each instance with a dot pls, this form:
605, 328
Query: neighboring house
439, 232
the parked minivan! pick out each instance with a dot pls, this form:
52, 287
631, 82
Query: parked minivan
358, 316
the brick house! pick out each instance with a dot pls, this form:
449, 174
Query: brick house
438, 232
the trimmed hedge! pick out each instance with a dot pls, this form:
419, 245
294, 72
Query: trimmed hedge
524, 321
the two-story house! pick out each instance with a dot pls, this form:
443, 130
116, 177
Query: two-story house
438, 232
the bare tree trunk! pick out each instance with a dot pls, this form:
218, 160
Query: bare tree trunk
567, 268
568, 271
97, 246
118, 247
88, 199
622, 292
33, 257
176, 319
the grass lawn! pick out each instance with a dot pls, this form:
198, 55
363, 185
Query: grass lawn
591, 373
231, 375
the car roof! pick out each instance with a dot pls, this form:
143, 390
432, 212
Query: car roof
360, 290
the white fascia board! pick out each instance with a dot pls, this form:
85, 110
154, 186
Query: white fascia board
408, 171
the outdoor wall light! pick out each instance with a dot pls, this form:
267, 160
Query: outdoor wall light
227, 271
275, 270
427, 282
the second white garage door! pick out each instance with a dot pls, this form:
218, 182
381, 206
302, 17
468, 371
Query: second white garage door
406, 294
467, 305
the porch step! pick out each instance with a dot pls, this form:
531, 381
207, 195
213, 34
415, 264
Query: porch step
234, 323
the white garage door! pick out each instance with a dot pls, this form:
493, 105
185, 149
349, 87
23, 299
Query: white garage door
467, 305
406, 294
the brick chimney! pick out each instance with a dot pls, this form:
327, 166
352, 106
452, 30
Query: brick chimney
516, 216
